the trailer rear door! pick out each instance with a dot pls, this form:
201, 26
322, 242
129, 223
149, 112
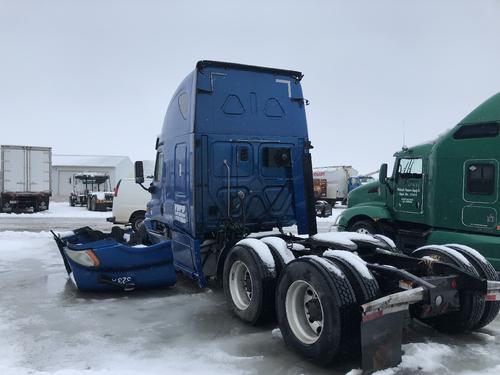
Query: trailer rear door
14, 169
38, 170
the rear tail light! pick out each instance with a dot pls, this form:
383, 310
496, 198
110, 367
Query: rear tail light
117, 187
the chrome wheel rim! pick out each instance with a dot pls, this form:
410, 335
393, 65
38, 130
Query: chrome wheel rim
304, 312
363, 231
240, 285
137, 224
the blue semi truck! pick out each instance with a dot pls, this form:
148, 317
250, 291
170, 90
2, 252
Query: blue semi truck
233, 162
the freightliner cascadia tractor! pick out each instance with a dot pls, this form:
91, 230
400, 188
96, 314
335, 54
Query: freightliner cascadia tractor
233, 163
445, 191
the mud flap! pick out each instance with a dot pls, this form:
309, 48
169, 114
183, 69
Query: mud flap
382, 328
381, 339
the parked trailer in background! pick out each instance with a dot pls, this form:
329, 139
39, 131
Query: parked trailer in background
25, 183
331, 184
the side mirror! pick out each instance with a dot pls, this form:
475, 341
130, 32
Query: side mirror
139, 172
382, 173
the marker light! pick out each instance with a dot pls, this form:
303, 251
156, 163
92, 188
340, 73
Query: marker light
85, 258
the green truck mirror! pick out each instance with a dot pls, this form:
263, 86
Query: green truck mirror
382, 173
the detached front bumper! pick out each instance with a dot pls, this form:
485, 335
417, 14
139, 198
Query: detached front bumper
97, 261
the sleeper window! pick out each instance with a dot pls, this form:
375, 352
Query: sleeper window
481, 179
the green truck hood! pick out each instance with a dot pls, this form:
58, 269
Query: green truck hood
367, 194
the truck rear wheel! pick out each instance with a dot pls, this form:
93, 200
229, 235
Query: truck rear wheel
249, 285
363, 226
486, 270
314, 305
471, 303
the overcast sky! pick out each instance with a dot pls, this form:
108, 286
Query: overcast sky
95, 77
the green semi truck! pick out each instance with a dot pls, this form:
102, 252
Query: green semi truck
440, 192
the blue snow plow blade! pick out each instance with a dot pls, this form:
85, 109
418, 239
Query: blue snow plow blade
97, 261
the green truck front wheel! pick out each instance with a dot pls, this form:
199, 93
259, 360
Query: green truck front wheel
363, 226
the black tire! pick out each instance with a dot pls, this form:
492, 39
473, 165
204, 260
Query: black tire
471, 303
337, 303
259, 283
71, 202
88, 204
363, 226
486, 270
279, 262
136, 219
365, 289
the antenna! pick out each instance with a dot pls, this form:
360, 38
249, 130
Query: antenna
404, 147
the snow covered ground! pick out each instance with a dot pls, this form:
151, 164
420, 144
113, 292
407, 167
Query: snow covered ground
47, 327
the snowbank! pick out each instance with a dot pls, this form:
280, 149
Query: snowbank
61, 210
18, 246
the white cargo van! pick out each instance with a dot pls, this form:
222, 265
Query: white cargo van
129, 203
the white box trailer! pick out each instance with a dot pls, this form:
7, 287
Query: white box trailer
25, 183
331, 184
